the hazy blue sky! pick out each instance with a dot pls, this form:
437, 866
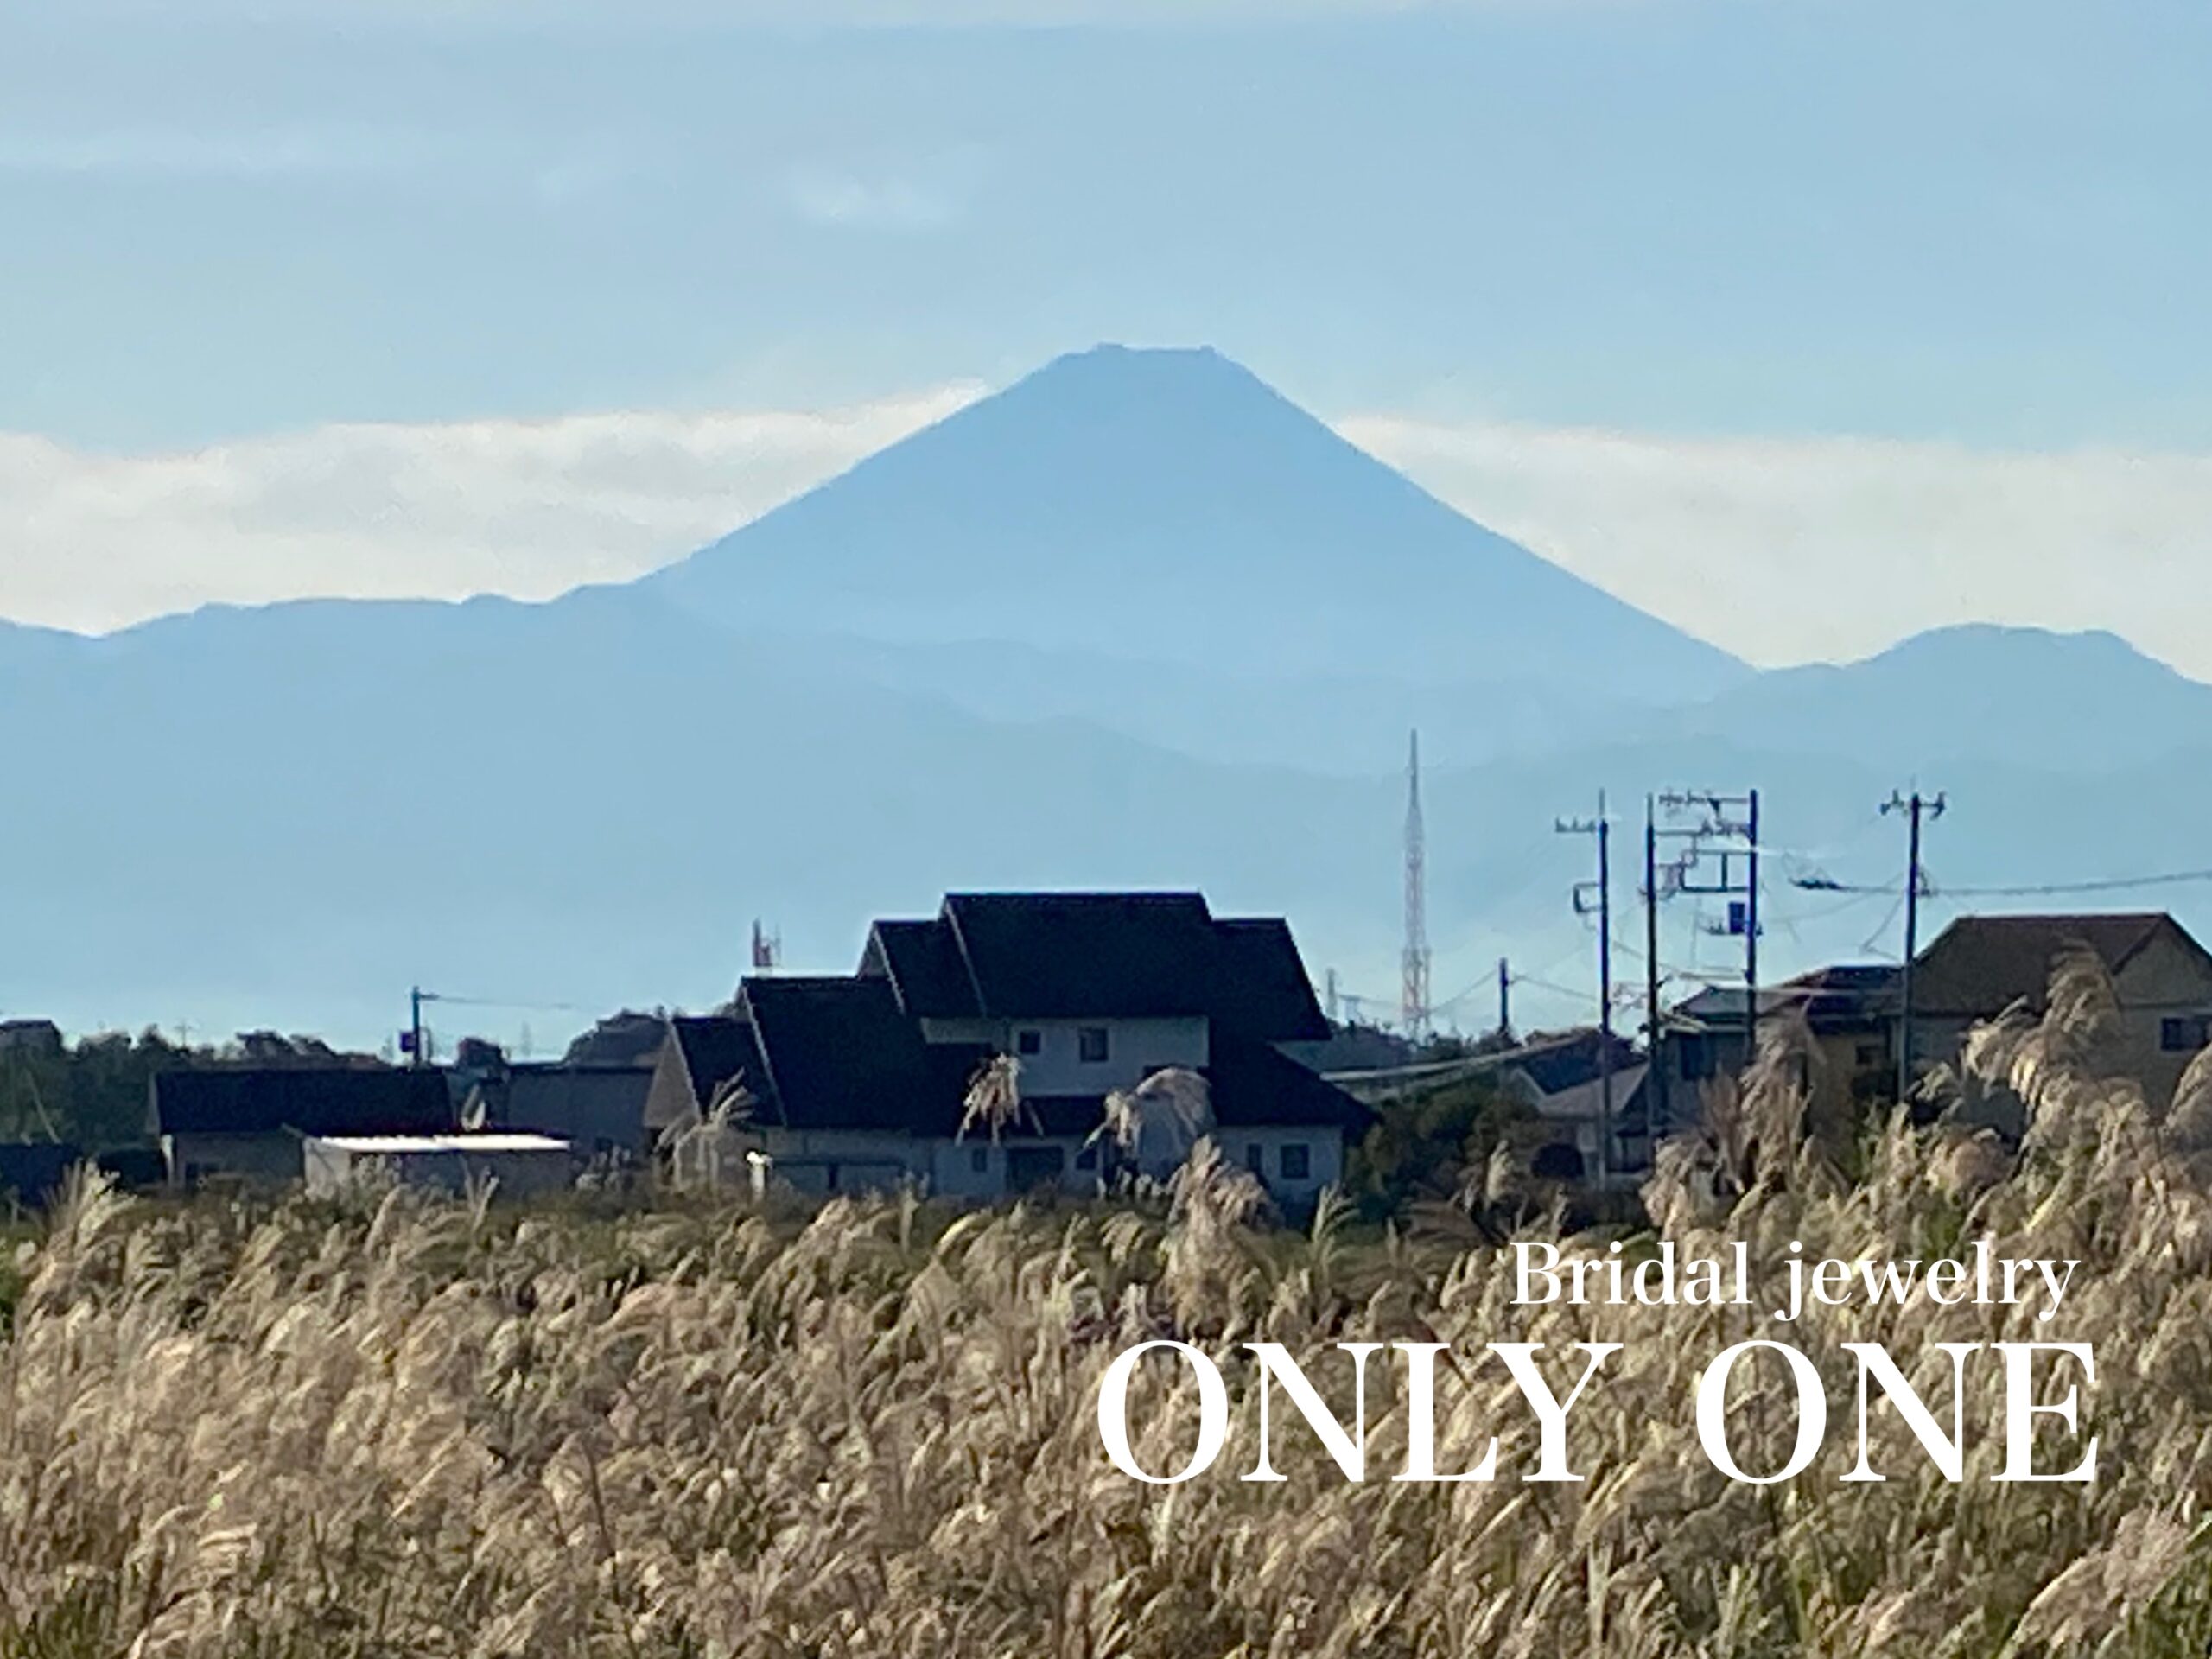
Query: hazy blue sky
1975, 226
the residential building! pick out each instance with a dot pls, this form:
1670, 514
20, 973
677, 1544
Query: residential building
1850, 1010
1980, 965
861, 1080
1973, 972
1563, 1078
32, 1173
600, 1110
38, 1038
249, 1121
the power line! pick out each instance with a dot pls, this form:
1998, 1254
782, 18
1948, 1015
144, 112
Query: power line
1934, 889
2109, 884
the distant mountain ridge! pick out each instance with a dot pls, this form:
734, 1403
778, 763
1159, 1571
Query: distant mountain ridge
1099, 631
2072, 701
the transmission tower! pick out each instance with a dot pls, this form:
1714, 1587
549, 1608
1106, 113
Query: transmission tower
1413, 1006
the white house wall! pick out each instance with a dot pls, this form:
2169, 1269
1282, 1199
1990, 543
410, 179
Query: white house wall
1325, 1159
1135, 1048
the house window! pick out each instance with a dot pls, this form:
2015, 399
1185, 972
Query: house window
1870, 1055
1297, 1162
1087, 1159
1090, 1044
979, 1160
1034, 1166
1028, 1042
1255, 1158
2185, 1034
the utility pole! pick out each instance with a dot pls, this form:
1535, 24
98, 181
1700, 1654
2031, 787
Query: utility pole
1505, 999
1738, 882
415, 1025
1329, 1005
1602, 829
1916, 809
1751, 927
1655, 1073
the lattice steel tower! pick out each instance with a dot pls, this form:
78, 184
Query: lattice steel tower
1412, 1014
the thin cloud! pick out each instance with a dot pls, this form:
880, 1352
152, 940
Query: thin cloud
1820, 549
1783, 551
273, 152
842, 200
528, 509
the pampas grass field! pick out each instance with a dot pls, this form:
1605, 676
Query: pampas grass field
403, 1426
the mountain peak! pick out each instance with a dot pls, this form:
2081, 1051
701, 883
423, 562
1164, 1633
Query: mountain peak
1166, 502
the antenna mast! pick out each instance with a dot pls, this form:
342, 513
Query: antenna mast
1414, 1007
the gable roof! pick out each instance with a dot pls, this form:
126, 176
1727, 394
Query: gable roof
309, 1100
586, 1103
1067, 954
1979, 965
923, 963
716, 1048
839, 1053
1255, 1085
1839, 996
1071, 956
1261, 988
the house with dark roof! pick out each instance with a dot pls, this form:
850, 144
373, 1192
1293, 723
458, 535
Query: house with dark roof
1980, 965
40, 1039
249, 1121
863, 1080
600, 1110
1585, 1086
32, 1172
1970, 973
1850, 1010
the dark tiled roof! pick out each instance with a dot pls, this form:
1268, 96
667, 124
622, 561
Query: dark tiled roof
584, 1103
840, 1054
1979, 965
716, 1047
1838, 996
1255, 1086
313, 1100
1069, 954
923, 962
1262, 990
32, 1172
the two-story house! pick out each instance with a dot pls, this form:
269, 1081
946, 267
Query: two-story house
1973, 972
1980, 965
863, 1080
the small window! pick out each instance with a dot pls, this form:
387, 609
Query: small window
1087, 1159
1297, 1162
1090, 1044
1255, 1158
1028, 1042
2185, 1034
1870, 1055
979, 1160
